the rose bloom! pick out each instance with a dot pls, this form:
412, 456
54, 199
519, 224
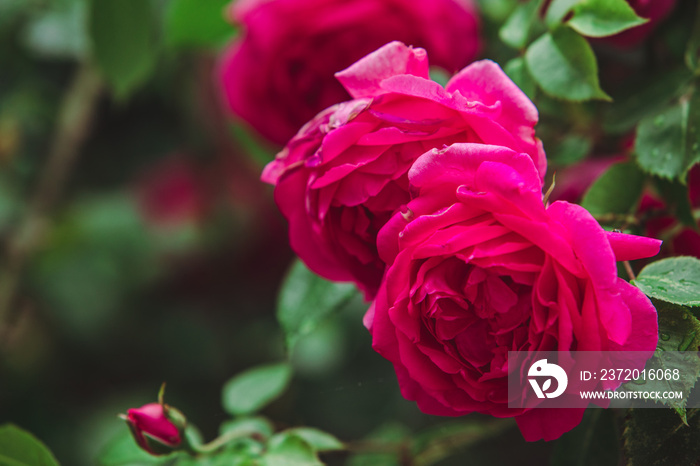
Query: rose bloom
478, 266
279, 73
345, 173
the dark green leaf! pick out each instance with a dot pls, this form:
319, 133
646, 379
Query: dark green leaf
600, 18
197, 23
251, 390
518, 72
679, 338
692, 51
571, 149
617, 191
656, 437
675, 195
20, 448
674, 280
516, 30
647, 99
123, 43
289, 450
392, 436
668, 144
593, 442
564, 66
443, 441
319, 440
306, 299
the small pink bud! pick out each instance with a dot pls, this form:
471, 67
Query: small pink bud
153, 428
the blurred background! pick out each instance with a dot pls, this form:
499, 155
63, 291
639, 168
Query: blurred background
139, 246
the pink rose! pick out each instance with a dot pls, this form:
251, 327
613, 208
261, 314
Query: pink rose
478, 266
654, 10
152, 429
279, 73
170, 193
345, 173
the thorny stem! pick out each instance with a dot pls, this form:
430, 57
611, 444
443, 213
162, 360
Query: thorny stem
76, 113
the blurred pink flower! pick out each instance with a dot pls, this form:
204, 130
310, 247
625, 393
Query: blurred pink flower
279, 73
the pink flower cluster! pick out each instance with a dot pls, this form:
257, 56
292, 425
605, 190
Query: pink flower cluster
430, 199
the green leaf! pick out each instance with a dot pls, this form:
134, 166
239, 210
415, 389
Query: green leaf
557, 11
668, 144
617, 191
59, 32
251, 390
679, 338
259, 425
516, 30
593, 442
390, 435
674, 280
319, 440
648, 98
306, 299
571, 149
656, 437
124, 451
564, 66
600, 18
437, 443
677, 200
20, 448
516, 69
197, 23
692, 51
123, 42
289, 450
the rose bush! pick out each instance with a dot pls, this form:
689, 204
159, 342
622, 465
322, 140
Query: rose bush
478, 266
279, 74
345, 173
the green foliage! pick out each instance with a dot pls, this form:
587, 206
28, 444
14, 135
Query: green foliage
593, 442
668, 143
306, 299
257, 425
674, 280
59, 30
573, 148
122, 450
564, 66
679, 339
617, 191
123, 42
290, 450
516, 31
516, 69
251, 390
20, 448
600, 18
645, 99
197, 23
318, 440
656, 437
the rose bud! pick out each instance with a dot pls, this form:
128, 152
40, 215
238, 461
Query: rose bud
279, 73
157, 428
